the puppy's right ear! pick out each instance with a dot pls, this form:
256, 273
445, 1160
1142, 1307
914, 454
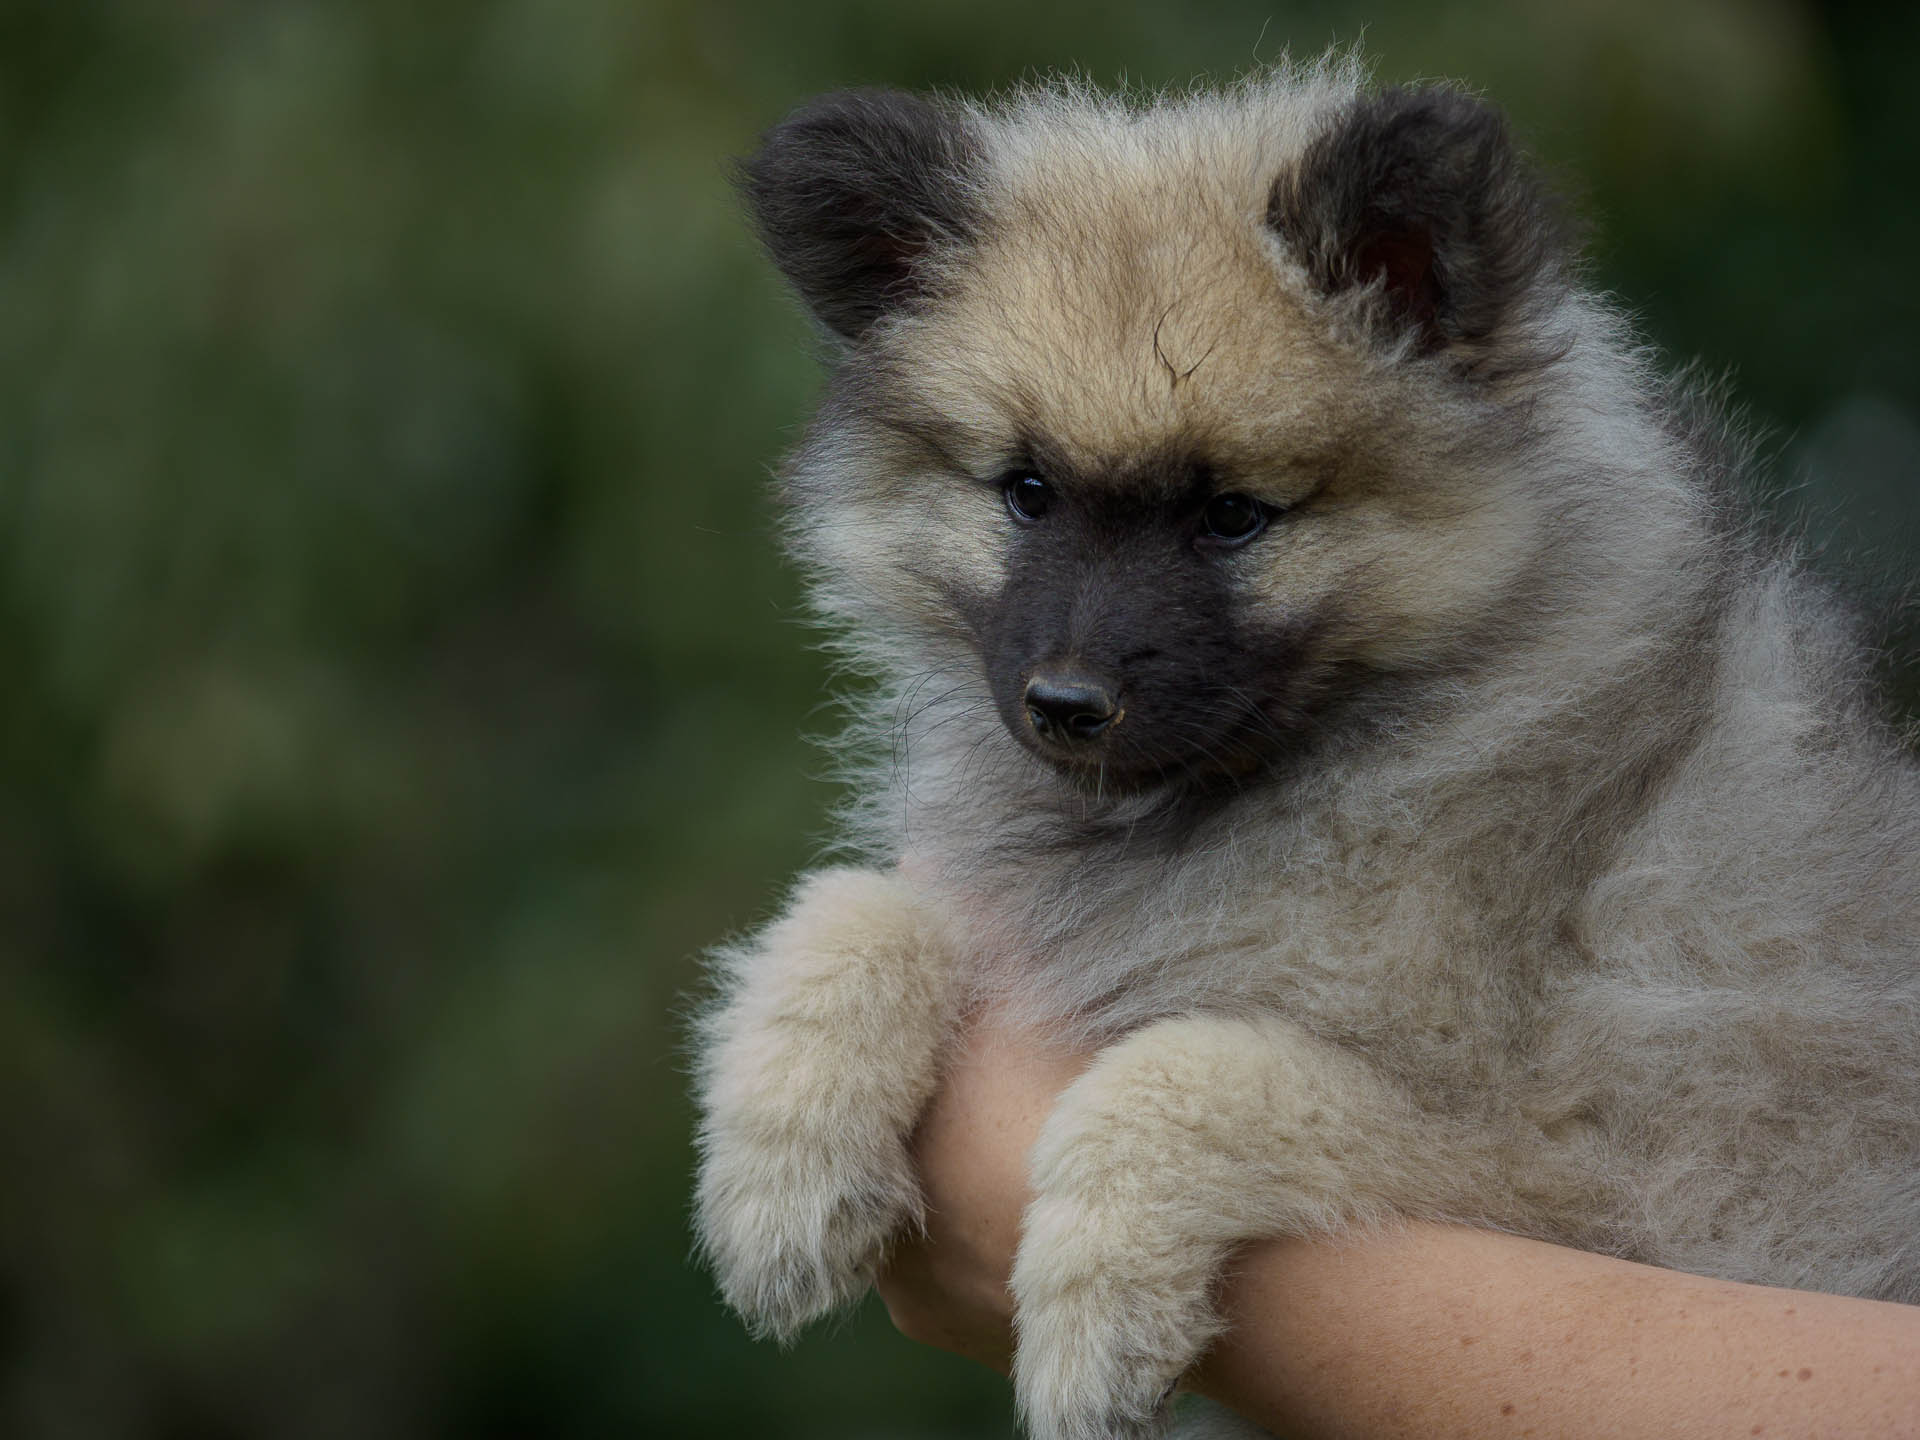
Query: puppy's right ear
1422, 195
854, 194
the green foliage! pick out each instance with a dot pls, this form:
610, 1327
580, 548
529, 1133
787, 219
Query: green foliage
402, 685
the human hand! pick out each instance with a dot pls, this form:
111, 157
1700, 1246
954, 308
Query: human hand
948, 1288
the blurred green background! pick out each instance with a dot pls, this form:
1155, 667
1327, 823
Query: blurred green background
401, 684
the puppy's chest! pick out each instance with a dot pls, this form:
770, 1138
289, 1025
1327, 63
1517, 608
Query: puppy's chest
1364, 945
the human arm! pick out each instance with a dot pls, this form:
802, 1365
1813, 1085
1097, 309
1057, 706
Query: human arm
1423, 1330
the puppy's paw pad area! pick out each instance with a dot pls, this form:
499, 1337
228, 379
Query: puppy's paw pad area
1098, 1360
790, 1244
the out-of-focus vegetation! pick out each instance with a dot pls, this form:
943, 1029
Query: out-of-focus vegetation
401, 686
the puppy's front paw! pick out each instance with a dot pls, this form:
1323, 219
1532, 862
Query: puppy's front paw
792, 1235
815, 1062
1103, 1338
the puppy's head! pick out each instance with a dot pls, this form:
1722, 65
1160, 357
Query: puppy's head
1180, 426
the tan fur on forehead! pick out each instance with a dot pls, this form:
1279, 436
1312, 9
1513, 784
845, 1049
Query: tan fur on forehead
1129, 298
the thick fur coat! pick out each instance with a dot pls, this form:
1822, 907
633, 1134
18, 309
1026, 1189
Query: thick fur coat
1317, 658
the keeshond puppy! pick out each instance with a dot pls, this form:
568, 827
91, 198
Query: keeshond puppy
1321, 662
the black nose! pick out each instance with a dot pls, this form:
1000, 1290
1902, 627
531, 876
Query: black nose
1069, 708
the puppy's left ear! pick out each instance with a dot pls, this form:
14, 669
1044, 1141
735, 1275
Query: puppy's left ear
1423, 192
856, 194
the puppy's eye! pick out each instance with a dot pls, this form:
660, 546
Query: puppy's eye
1232, 519
1028, 496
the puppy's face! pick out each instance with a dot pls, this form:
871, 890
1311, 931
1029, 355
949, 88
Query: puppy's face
1142, 504
1101, 421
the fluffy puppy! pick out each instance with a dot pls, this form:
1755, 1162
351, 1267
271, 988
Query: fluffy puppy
1317, 660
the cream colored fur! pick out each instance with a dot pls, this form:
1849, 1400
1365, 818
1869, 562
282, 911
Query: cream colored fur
1614, 940
815, 1072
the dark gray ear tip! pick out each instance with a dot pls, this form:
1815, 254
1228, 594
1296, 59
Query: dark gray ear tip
839, 117
1440, 105
850, 132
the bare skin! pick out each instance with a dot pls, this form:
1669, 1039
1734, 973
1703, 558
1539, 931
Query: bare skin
1426, 1330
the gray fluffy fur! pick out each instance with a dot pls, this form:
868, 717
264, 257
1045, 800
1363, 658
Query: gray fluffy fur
1578, 895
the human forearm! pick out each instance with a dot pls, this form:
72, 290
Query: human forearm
1440, 1331
1430, 1330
